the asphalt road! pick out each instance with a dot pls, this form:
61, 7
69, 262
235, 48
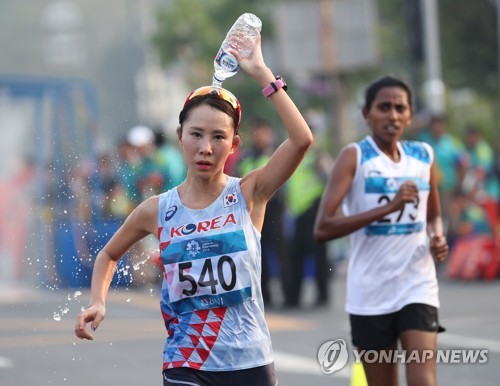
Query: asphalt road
37, 345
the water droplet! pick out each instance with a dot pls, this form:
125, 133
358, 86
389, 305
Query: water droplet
57, 317
128, 300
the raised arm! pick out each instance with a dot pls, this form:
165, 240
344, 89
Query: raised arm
140, 223
284, 161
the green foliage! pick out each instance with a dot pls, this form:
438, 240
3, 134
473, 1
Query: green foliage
191, 31
479, 113
391, 32
469, 47
469, 56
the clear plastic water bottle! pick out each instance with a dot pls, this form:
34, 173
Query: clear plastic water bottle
241, 37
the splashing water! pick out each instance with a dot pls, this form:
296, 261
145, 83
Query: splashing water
138, 265
64, 309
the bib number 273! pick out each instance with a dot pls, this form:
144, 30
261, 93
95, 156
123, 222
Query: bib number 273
413, 216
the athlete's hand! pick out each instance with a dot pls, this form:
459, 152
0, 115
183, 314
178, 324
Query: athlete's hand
94, 314
253, 64
438, 247
407, 193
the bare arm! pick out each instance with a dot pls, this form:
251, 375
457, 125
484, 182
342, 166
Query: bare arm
435, 229
330, 224
261, 184
140, 223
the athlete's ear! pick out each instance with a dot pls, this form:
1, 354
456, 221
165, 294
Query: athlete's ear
179, 134
236, 143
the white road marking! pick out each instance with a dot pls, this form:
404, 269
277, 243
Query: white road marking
462, 341
298, 364
6, 362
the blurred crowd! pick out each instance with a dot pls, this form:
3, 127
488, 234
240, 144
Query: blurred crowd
468, 169
145, 162
469, 182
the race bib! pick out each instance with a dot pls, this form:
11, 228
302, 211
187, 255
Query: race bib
208, 272
380, 191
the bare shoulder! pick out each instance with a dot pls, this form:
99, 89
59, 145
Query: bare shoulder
347, 158
145, 215
349, 150
149, 207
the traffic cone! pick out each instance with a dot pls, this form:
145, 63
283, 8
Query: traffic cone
358, 377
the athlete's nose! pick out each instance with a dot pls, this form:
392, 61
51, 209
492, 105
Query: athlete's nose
392, 113
205, 146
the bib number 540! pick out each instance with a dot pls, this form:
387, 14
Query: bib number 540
207, 277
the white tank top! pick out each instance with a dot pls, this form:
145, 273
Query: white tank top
211, 298
390, 264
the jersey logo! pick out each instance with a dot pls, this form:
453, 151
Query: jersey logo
218, 222
372, 173
170, 212
230, 199
193, 248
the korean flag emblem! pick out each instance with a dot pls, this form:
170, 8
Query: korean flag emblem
230, 199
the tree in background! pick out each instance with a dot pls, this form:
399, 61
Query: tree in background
191, 31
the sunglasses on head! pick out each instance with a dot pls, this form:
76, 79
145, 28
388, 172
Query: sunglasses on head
222, 93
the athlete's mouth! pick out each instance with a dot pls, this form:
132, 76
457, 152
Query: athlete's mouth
204, 163
391, 129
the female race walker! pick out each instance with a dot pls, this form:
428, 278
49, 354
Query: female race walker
390, 199
209, 233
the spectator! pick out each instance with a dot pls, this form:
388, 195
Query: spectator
150, 175
451, 160
168, 157
261, 149
303, 194
480, 177
467, 218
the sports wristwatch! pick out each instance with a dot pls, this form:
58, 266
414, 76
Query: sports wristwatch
272, 87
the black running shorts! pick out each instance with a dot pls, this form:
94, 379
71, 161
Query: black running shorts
376, 332
184, 376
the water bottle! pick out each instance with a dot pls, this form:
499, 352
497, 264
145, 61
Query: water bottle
241, 37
